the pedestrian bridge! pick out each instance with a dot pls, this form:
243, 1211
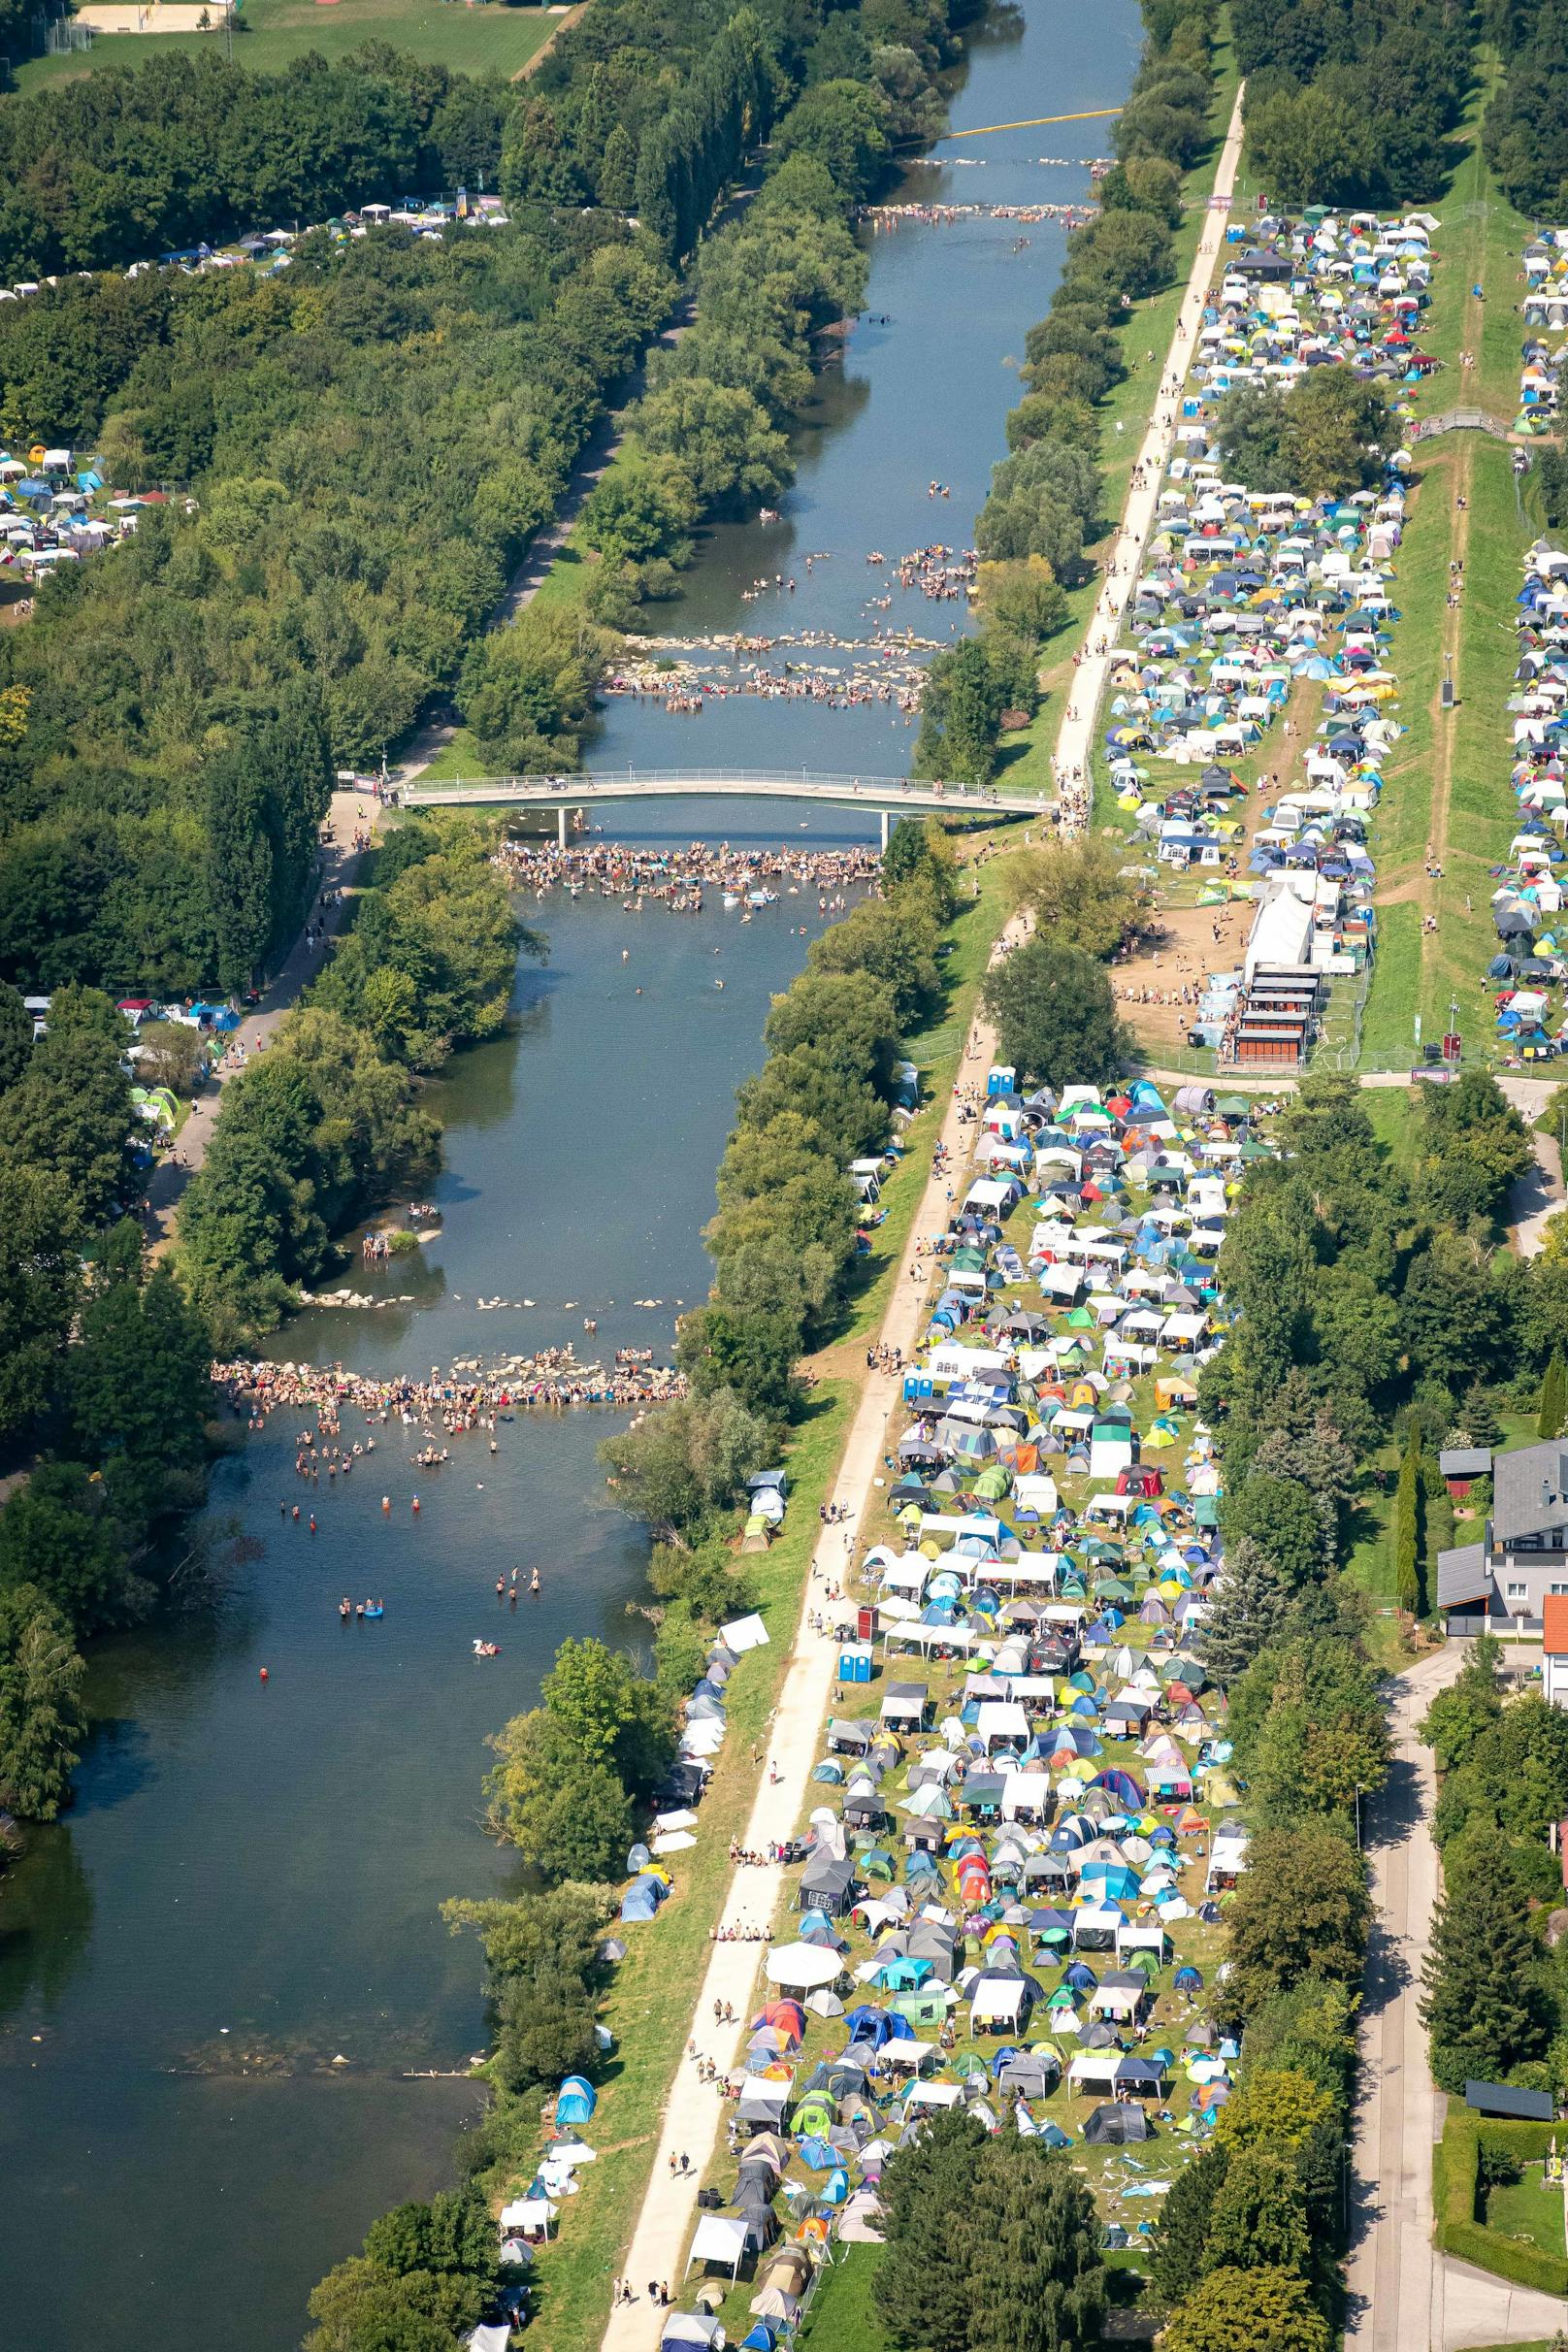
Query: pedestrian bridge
888, 795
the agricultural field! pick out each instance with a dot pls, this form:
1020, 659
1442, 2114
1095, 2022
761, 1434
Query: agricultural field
470, 36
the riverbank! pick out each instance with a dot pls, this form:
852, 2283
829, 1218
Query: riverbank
1127, 411
690, 2121
690, 2126
649, 2005
1073, 759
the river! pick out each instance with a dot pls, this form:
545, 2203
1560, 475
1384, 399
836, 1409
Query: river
247, 1887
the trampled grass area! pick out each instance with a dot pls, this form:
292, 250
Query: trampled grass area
470, 36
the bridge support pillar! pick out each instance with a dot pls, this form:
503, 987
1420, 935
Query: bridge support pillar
560, 825
884, 828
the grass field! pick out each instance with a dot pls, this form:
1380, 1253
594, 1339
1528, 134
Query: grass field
842, 2317
1446, 783
1528, 2209
470, 36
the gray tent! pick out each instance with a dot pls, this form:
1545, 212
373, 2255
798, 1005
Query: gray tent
828, 1885
1117, 2126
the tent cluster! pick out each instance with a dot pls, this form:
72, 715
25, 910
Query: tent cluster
1545, 310
1247, 590
525, 2222
1013, 1848
1527, 905
704, 1731
51, 515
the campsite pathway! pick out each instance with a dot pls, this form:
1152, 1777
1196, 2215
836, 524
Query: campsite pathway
340, 866
1404, 2297
1076, 742
759, 1896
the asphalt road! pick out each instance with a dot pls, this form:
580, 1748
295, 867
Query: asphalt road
1404, 2296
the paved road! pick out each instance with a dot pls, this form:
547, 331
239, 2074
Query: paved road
1404, 2296
1075, 742
340, 865
1539, 1195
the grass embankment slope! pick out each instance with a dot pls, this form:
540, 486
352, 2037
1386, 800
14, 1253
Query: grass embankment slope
649, 2010
1126, 412
1447, 802
271, 34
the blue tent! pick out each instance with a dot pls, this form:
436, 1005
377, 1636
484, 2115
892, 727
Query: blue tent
575, 2101
643, 1897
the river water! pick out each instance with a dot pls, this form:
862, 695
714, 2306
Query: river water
248, 1886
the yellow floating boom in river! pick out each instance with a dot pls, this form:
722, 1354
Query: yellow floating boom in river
1095, 114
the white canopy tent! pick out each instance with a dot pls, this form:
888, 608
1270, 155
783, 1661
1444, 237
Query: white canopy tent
719, 2238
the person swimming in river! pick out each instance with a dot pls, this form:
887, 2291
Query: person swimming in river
534, 1581
346, 1608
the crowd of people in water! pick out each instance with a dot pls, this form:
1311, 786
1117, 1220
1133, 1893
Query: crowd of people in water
885, 217
681, 879
460, 1402
685, 688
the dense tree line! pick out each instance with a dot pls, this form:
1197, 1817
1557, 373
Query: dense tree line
1496, 2003
326, 1125
373, 437
122, 165
103, 1381
1525, 131
993, 2243
1330, 433
428, 2275
1353, 104
1046, 495
1364, 1301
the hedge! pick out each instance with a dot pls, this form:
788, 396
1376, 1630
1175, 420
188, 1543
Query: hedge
1456, 2171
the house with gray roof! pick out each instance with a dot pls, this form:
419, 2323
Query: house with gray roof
1499, 1585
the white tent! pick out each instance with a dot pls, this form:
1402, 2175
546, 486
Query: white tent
933, 2094
805, 1964
746, 1633
692, 2328
719, 2238
1000, 2001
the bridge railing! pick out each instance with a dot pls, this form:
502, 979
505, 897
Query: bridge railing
609, 784
654, 779
1462, 421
